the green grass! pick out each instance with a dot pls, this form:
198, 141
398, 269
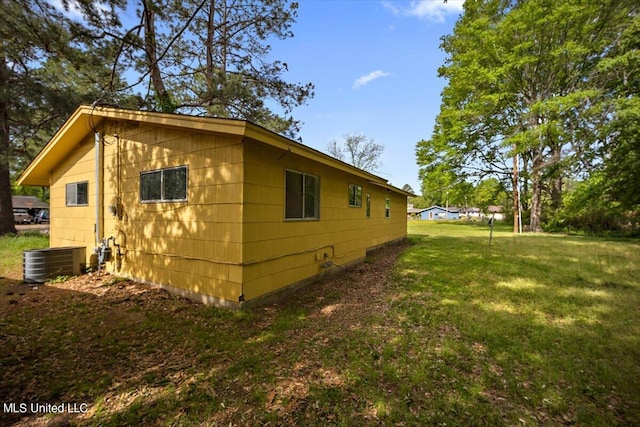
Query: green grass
535, 329
532, 330
11, 247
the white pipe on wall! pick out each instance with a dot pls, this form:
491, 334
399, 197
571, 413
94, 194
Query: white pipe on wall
98, 185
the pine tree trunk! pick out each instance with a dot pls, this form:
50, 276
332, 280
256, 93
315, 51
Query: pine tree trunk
162, 96
6, 204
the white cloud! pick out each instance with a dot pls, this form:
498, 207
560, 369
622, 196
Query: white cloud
392, 7
434, 10
74, 12
368, 78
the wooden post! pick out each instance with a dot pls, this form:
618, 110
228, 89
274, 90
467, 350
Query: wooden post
491, 227
516, 197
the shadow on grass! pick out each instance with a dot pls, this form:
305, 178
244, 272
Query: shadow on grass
545, 328
531, 331
121, 350
137, 355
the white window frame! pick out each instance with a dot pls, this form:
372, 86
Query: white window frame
305, 176
67, 195
163, 198
354, 191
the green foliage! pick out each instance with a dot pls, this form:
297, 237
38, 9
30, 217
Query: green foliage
49, 63
59, 279
213, 58
589, 209
619, 74
553, 83
536, 330
489, 192
11, 247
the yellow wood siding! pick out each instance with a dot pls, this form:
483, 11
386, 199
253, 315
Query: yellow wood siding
73, 225
194, 245
279, 252
229, 240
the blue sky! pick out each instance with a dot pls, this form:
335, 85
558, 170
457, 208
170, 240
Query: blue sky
374, 65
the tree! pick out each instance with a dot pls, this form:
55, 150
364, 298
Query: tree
212, 58
46, 69
618, 76
358, 151
489, 192
209, 60
520, 92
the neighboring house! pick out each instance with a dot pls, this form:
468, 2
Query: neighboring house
440, 213
25, 208
222, 211
496, 212
413, 213
471, 213
31, 203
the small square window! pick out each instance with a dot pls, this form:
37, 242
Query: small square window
77, 194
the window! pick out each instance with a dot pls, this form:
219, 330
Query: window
368, 208
164, 185
387, 208
355, 195
77, 194
302, 196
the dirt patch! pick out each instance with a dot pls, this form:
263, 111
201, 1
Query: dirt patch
116, 344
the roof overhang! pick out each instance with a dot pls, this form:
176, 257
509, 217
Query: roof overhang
87, 119
390, 187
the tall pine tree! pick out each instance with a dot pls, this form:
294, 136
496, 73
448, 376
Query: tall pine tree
49, 63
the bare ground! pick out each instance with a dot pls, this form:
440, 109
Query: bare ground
114, 344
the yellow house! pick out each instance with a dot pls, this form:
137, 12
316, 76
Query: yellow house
222, 211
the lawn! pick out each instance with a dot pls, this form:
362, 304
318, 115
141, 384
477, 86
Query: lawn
11, 248
447, 330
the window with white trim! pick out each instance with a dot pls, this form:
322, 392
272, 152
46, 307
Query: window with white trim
164, 185
302, 195
387, 208
77, 193
355, 196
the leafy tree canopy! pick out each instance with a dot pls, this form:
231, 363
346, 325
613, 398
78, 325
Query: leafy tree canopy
532, 82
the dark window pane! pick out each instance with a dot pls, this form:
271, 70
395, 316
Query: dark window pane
150, 186
82, 190
311, 199
355, 195
368, 205
175, 184
293, 195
